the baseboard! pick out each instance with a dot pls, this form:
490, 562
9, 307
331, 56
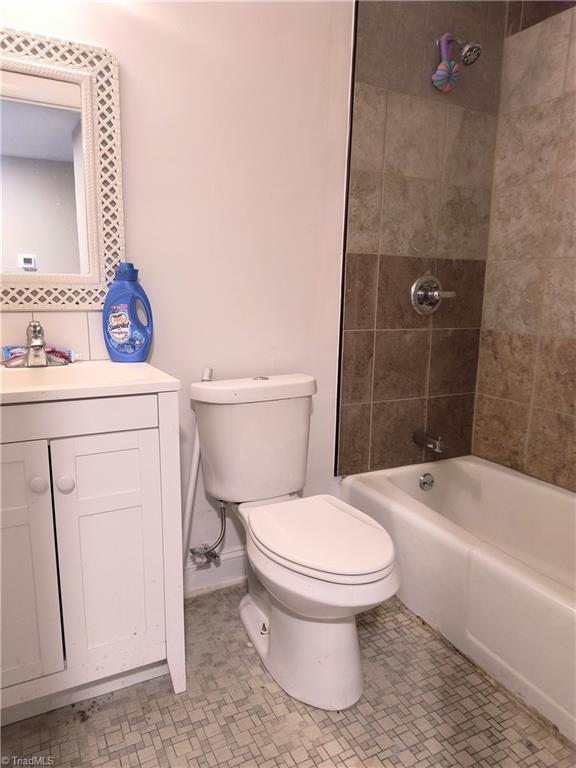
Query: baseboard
81, 693
230, 571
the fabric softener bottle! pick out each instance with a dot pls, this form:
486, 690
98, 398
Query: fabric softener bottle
127, 317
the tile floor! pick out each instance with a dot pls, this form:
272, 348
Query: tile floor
424, 705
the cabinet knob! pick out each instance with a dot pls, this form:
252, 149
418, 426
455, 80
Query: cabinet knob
65, 484
38, 484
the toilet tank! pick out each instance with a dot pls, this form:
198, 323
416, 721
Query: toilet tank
254, 435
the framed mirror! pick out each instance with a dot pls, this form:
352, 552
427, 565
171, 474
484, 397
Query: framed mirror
62, 221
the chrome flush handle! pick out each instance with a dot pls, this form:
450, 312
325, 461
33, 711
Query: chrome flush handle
426, 295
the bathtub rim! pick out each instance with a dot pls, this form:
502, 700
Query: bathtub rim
420, 513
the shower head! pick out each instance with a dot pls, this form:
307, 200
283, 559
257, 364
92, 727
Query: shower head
470, 51
446, 75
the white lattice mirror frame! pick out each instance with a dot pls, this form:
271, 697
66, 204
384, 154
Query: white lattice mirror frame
95, 70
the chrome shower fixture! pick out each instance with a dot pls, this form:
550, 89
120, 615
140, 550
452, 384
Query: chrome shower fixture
470, 51
446, 74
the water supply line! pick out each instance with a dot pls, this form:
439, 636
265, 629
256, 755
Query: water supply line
206, 553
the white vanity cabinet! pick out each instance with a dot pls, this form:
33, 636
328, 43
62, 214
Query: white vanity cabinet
31, 629
109, 531
91, 532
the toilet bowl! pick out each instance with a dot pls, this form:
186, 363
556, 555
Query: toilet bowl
318, 562
314, 562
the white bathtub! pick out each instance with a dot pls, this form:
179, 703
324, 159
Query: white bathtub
487, 557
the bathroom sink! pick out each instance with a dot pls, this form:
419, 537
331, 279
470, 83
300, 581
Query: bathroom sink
95, 378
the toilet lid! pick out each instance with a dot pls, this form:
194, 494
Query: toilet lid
322, 533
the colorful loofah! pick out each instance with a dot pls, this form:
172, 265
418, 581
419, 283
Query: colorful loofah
446, 75
448, 71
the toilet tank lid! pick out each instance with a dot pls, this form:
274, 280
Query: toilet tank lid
254, 390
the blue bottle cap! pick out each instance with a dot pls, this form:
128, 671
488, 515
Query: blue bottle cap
125, 271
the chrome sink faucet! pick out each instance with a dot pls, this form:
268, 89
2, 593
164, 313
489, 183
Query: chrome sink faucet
433, 442
35, 346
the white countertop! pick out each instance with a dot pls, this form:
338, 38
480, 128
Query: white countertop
94, 378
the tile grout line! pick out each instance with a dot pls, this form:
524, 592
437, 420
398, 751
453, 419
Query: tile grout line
443, 187
525, 403
376, 302
441, 329
516, 112
488, 260
415, 397
88, 337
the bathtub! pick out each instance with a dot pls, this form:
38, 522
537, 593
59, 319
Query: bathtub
487, 557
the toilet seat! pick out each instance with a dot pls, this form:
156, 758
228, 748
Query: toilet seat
324, 538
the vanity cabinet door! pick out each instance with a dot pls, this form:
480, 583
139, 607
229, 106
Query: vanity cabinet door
31, 628
109, 525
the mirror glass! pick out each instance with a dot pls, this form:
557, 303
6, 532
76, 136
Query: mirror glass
42, 172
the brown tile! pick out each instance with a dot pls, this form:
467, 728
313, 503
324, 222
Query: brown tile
496, 12
364, 200
559, 302
464, 221
552, 448
486, 81
356, 374
467, 15
396, 277
414, 137
500, 428
556, 374
570, 83
567, 144
453, 362
514, 20
451, 418
389, 39
400, 364
535, 11
467, 279
354, 438
534, 65
470, 143
513, 295
393, 425
409, 224
368, 121
527, 144
478, 85
562, 232
360, 291
519, 221
506, 365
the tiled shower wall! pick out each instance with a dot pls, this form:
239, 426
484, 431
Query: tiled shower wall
526, 405
525, 13
419, 201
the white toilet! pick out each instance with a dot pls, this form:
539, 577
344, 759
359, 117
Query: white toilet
315, 562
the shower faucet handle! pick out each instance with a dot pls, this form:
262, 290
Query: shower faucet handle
444, 294
426, 295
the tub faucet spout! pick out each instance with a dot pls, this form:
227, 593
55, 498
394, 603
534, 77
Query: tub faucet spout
433, 442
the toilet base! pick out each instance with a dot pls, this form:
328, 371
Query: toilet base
317, 662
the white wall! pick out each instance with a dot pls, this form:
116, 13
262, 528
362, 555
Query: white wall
234, 124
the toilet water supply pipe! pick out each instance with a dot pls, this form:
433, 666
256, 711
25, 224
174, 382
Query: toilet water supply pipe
205, 551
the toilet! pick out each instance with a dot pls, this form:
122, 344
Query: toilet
314, 562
